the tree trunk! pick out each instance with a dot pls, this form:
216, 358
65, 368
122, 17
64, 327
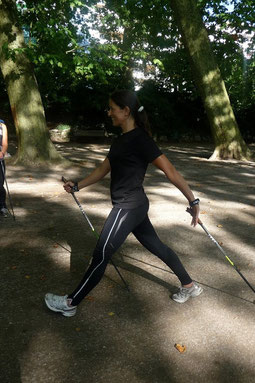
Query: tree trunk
227, 137
34, 145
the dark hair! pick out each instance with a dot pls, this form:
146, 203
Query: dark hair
129, 98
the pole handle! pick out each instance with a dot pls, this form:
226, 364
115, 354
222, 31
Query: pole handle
188, 210
65, 181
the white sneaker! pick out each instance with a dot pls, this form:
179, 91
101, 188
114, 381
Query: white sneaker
59, 304
4, 212
185, 293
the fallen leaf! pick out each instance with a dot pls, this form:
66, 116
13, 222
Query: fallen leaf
111, 314
14, 267
220, 243
219, 226
180, 348
90, 298
203, 212
77, 329
27, 276
55, 245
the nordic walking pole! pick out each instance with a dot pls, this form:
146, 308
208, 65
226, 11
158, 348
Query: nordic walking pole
9, 196
95, 232
223, 252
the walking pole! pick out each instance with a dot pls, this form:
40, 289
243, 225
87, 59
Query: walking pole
9, 196
223, 252
95, 232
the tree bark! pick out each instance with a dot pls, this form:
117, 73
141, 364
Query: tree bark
229, 143
34, 145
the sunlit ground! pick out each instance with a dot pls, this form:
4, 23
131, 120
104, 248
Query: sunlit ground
118, 336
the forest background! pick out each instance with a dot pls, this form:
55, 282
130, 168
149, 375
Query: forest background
81, 51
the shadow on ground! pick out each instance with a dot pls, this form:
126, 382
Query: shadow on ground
120, 336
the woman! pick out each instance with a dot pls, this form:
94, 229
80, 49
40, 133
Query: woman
3, 151
127, 161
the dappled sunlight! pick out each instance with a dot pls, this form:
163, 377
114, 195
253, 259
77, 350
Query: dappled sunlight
59, 258
49, 246
43, 343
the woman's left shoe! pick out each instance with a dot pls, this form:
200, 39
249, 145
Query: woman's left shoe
185, 293
59, 304
4, 212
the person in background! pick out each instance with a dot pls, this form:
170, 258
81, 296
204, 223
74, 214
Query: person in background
127, 161
3, 151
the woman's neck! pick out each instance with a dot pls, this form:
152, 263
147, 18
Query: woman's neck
128, 125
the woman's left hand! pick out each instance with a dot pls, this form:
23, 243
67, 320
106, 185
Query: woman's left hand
1, 155
194, 211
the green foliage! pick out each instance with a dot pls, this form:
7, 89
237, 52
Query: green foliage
174, 115
63, 127
76, 70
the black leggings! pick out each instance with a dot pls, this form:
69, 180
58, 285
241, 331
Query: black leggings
2, 189
119, 224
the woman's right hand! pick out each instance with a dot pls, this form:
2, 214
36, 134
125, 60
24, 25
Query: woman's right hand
68, 186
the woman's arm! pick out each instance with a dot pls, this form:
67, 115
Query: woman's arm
4, 141
97, 174
177, 180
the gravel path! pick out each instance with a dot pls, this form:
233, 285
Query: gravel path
119, 336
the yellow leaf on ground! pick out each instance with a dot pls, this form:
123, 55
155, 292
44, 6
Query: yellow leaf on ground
180, 348
219, 226
90, 298
27, 276
111, 314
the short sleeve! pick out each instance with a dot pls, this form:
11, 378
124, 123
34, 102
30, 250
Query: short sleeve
148, 148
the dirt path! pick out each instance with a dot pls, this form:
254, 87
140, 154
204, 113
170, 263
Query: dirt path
117, 336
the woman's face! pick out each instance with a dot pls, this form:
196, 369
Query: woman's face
118, 115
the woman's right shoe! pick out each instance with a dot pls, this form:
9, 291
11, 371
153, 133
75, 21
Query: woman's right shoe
59, 304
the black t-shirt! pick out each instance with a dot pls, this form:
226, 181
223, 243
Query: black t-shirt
129, 157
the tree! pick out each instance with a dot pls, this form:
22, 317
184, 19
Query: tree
227, 137
71, 65
155, 44
34, 145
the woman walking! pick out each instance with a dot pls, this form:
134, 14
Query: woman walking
3, 151
127, 161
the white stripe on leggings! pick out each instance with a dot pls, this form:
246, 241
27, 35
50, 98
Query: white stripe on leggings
103, 256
